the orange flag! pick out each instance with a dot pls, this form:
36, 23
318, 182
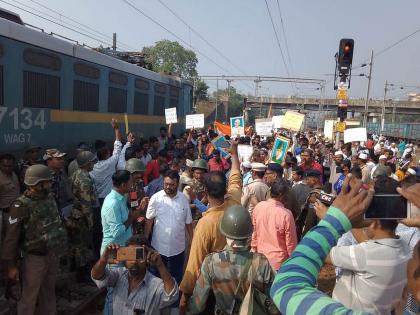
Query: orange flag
222, 128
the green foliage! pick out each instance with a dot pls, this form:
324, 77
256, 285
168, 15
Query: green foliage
170, 57
236, 101
201, 90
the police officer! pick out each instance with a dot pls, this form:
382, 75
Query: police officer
80, 222
72, 168
30, 157
307, 217
61, 185
256, 190
137, 198
34, 227
229, 272
199, 168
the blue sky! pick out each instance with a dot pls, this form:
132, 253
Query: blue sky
242, 31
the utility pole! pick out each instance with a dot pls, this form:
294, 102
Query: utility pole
321, 107
393, 112
365, 116
228, 96
383, 108
114, 41
217, 99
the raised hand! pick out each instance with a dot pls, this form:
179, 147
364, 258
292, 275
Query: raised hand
353, 202
114, 123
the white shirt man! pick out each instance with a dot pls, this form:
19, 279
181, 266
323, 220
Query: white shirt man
170, 210
104, 169
374, 274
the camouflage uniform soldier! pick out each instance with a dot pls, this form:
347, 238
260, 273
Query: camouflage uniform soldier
80, 221
137, 197
61, 185
228, 272
199, 168
30, 157
35, 228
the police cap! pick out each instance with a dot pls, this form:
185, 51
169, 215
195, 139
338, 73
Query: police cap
312, 173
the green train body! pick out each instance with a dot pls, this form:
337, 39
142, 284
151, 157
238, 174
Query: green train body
56, 94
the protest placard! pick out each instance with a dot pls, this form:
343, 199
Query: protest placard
277, 121
280, 147
237, 126
170, 115
222, 145
263, 126
194, 121
293, 120
329, 129
244, 152
355, 134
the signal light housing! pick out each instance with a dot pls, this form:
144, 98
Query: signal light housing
345, 55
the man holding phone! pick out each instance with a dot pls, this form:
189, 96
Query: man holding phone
135, 289
362, 265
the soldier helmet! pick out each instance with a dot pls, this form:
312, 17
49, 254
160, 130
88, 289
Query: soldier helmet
236, 223
134, 165
85, 157
37, 173
200, 163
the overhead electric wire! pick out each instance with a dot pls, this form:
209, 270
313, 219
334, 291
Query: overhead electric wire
285, 37
383, 50
60, 24
277, 39
53, 17
174, 35
87, 27
201, 37
278, 44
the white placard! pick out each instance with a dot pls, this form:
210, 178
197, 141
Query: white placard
329, 129
355, 134
170, 115
277, 121
264, 126
245, 152
194, 121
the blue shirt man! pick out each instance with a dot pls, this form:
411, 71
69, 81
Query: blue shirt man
115, 215
116, 220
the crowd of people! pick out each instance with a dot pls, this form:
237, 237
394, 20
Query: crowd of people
219, 236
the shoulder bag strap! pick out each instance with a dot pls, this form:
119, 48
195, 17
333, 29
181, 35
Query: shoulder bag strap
244, 274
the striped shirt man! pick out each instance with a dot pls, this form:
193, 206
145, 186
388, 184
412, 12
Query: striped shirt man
293, 290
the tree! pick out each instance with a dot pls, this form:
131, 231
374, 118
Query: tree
201, 89
170, 57
236, 101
